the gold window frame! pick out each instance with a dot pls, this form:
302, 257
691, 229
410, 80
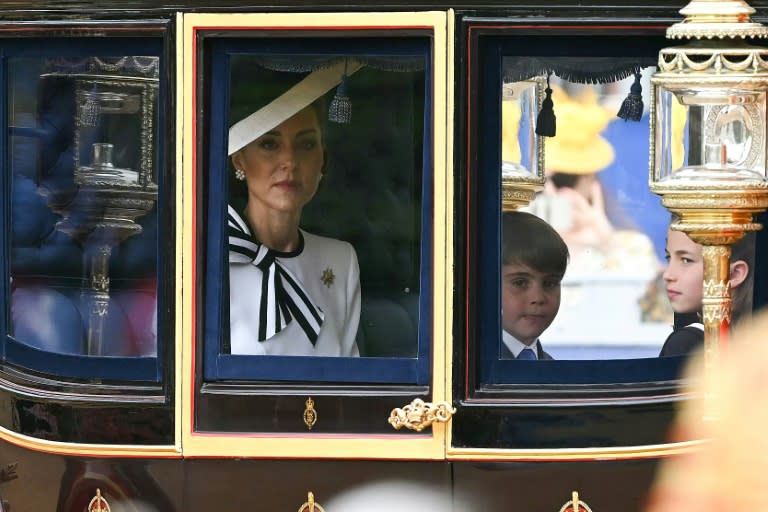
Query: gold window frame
430, 443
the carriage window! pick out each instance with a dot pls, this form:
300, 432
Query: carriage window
587, 271
318, 211
82, 225
626, 282
598, 201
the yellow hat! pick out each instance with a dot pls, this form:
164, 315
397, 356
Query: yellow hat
578, 147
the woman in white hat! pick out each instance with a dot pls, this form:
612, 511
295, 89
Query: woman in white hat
291, 292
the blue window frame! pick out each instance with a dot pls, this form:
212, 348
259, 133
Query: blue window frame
493, 371
80, 295
377, 196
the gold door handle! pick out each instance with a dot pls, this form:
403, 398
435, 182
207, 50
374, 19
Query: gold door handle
419, 414
98, 503
310, 505
575, 504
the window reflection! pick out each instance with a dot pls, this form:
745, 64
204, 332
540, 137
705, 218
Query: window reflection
596, 196
519, 144
617, 301
83, 213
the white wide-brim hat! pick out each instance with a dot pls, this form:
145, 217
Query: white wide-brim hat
292, 101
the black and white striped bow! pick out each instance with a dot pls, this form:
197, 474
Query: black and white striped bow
282, 296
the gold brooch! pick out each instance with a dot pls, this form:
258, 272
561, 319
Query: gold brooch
327, 277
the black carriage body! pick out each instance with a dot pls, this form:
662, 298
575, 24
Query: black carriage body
181, 427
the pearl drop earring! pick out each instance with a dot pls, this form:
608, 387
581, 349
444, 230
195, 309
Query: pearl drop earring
239, 174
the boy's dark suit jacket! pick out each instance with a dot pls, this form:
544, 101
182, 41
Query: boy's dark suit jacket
505, 353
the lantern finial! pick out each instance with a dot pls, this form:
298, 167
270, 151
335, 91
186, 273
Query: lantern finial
717, 19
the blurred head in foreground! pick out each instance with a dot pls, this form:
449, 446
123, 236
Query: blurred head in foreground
730, 469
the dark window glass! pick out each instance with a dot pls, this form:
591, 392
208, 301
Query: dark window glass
602, 318
82, 222
318, 211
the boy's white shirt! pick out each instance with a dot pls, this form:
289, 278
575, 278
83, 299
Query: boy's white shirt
516, 346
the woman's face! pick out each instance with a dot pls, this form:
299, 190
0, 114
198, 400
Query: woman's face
283, 167
684, 275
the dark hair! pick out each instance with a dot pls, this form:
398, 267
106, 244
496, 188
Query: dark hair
615, 212
564, 179
529, 240
741, 299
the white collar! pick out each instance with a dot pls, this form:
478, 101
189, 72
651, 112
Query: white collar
516, 346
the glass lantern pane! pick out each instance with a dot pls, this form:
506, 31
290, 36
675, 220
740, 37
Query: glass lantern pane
109, 110
519, 144
710, 134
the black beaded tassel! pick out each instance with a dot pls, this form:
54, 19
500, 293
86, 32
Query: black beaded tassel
632, 106
340, 109
545, 121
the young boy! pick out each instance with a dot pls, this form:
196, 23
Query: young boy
684, 280
534, 258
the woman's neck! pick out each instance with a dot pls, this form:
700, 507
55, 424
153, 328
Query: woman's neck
276, 229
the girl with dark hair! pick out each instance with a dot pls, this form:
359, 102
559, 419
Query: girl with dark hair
684, 280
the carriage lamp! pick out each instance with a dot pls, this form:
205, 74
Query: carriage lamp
708, 141
115, 103
522, 152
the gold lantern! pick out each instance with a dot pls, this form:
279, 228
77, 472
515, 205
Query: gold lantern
708, 141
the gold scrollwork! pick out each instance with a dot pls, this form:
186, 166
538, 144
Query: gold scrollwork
707, 19
310, 505
419, 414
98, 503
509, 194
725, 60
714, 288
310, 415
716, 251
575, 504
686, 199
518, 192
716, 313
